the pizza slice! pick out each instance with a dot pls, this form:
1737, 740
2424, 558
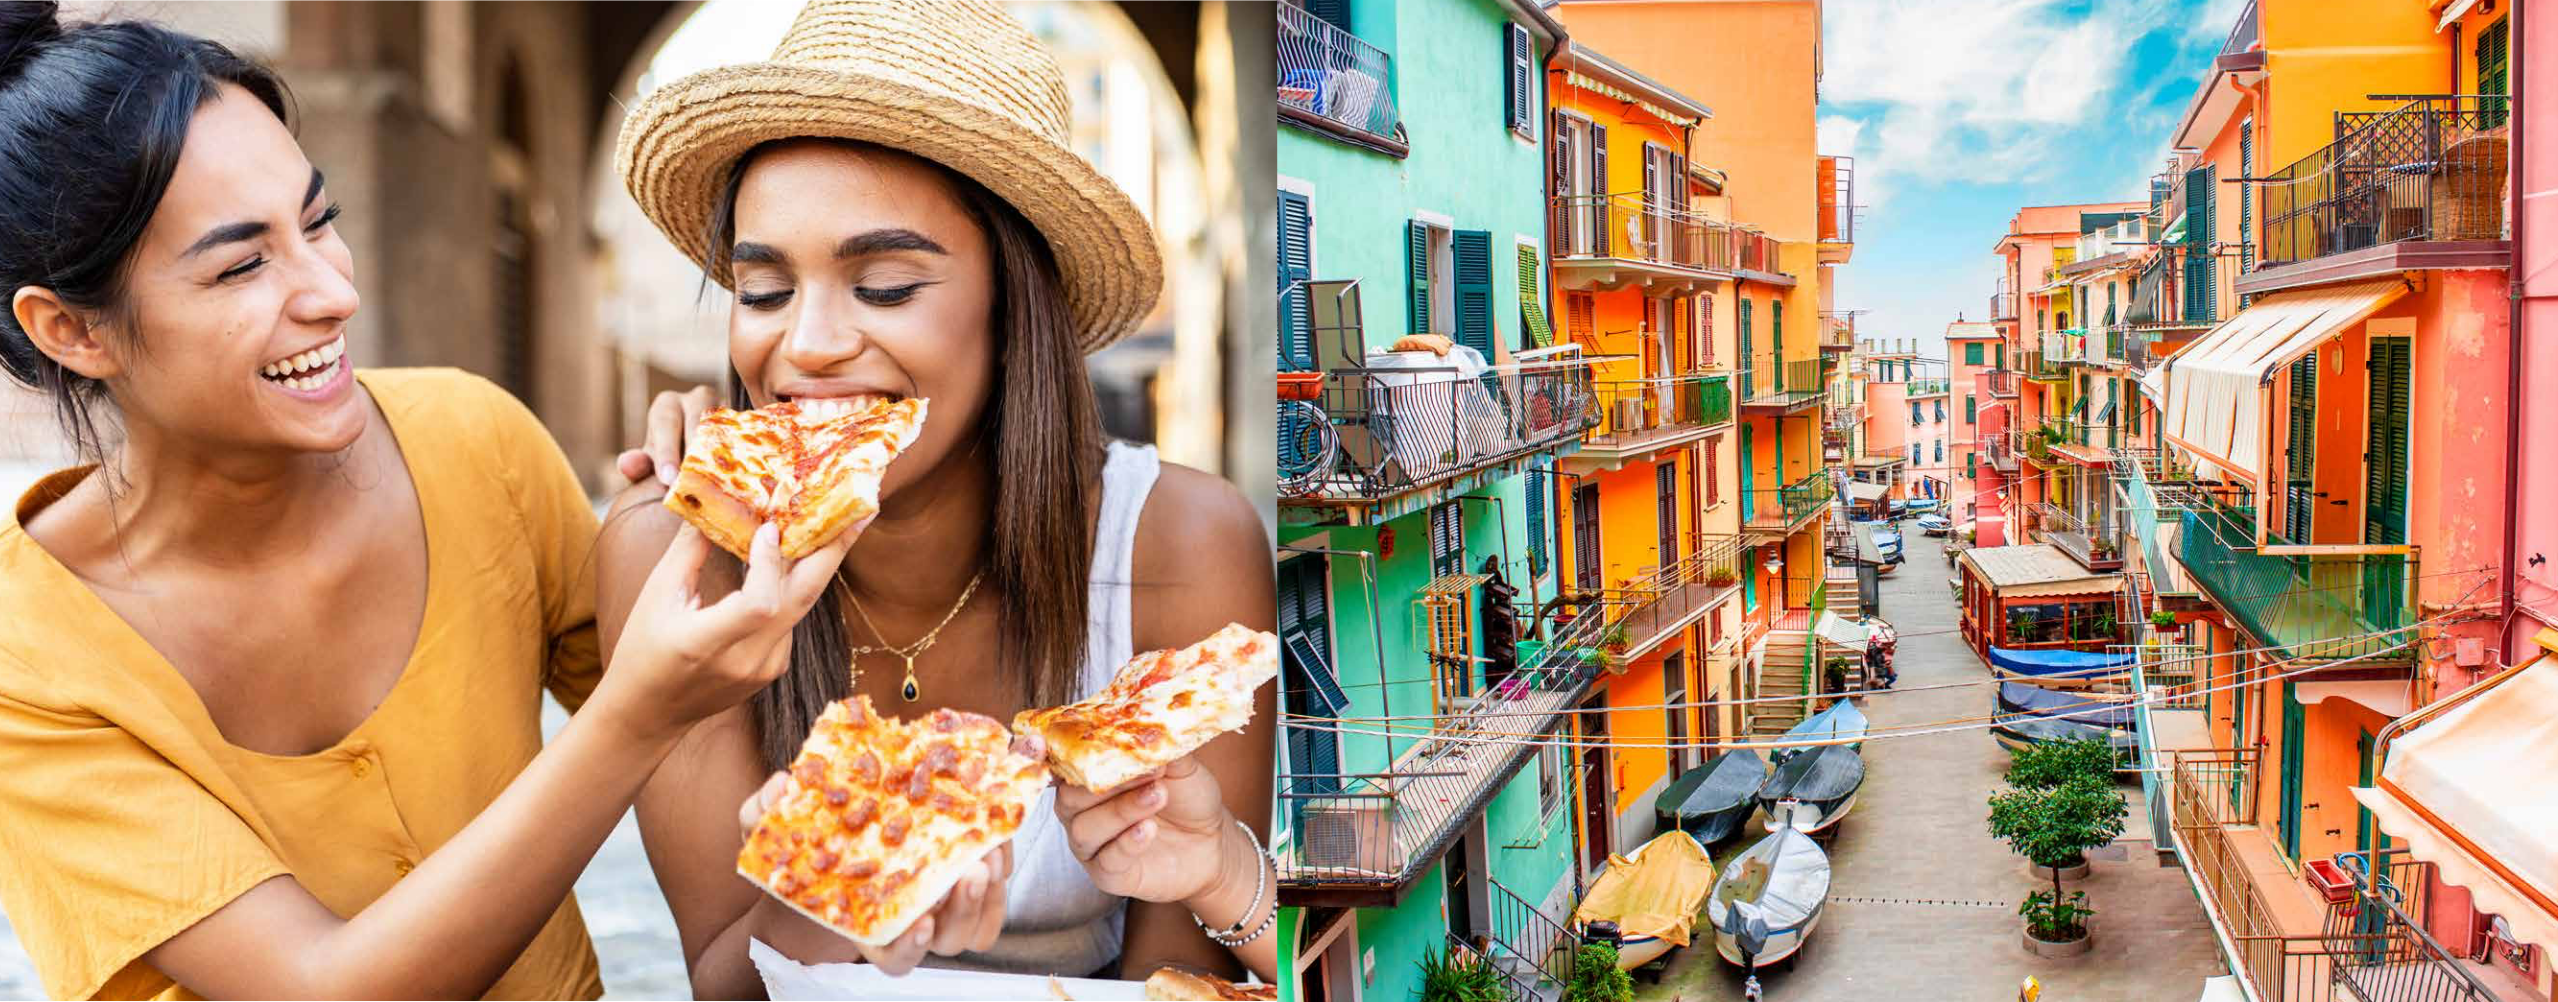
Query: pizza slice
1161, 706
881, 816
1172, 984
812, 467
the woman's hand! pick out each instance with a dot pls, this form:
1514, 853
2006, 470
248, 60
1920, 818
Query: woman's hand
968, 919
671, 417
680, 658
1160, 837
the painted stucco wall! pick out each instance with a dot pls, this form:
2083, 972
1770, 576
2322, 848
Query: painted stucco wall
2536, 262
2325, 56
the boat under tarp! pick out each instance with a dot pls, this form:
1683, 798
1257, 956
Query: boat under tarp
2058, 667
1812, 791
1652, 896
2033, 714
1841, 721
1767, 901
1716, 801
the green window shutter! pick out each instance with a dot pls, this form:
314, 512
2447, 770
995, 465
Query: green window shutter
1749, 377
1665, 510
2001, 349
1308, 687
2385, 487
1532, 322
1972, 353
1776, 329
1972, 464
2200, 305
2292, 765
1536, 521
2492, 73
1474, 290
1296, 257
1416, 261
1970, 415
2300, 454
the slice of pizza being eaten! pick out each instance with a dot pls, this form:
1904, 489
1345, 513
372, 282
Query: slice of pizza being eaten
812, 467
1172, 984
880, 816
1161, 706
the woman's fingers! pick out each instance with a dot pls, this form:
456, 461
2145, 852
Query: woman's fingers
956, 921
665, 440
751, 813
753, 605
635, 465
809, 577
1098, 826
900, 957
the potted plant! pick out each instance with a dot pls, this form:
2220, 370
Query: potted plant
1721, 577
2052, 764
2056, 926
1834, 675
2162, 624
1614, 639
1595, 977
2053, 827
1448, 978
2104, 623
2024, 626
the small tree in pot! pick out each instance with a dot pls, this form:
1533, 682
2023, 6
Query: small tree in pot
2054, 827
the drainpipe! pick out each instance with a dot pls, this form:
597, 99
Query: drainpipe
2507, 640
1376, 633
1501, 517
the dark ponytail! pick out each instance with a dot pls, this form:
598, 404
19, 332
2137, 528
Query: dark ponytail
92, 119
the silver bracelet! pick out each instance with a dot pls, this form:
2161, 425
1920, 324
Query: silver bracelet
1234, 936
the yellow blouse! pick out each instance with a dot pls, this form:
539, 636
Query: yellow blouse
124, 815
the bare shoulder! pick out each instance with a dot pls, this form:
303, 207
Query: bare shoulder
637, 529
1203, 560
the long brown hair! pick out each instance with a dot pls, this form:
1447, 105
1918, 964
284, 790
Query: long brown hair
1046, 433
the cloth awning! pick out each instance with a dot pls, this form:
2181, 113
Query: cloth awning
2223, 988
2452, 13
2466, 790
2389, 699
1859, 490
2213, 409
1842, 631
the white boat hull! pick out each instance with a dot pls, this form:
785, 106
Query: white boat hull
1784, 815
1637, 951
1779, 947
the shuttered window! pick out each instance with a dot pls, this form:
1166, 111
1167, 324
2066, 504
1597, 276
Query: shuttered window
1972, 353
1416, 269
1296, 267
1473, 252
1665, 509
1309, 687
1532, 323
2300, 454
1335, 12
1518, 80
1447, 539
1536, 522
1577, 319
1674, 697
1713, 471
1970, 414
2385, 480
1585, 535
2491, 74
2201, 306
1704, 328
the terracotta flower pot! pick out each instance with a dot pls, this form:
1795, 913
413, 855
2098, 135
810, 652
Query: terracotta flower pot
2051, 949
2070, 871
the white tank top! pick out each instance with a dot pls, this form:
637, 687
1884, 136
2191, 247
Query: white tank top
1055, 921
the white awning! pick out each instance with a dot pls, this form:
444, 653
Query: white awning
2213, 408
2452, 14
2389, 699
1842, 631
2223, 988
1861, 491
2467, 791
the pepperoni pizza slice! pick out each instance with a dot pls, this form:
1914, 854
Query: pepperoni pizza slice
812, 467
881, 816
1161, 706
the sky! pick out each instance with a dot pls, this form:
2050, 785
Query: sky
1960, 111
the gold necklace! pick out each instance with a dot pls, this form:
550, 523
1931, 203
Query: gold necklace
910, 690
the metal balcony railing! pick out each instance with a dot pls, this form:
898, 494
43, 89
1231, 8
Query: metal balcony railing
2092, 542
1529, 944
1391, 431
1928, 387
1999, 382
1838, 331
2064, 347
1999, 451
1633, 227
2314, 607
1633, 412
1781, 384
1786, 508
2037, 365
1367, 834
2003, 301
1328, 73
2242, 33
1838, 200
2085, 435
2433, 169
1648, 610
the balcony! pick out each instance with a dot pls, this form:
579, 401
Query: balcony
1782, 388
2040, 367
1838, 332
2289, 942
2319, 606
1769, 515
1999, 382
2419, 186
1837, 209
2094, 547
1359, 839
1999, 451
2065, 347
1640, 416
1609, 242
1376, 438
1928, 388
1333, 83
1653, 609
2082, 443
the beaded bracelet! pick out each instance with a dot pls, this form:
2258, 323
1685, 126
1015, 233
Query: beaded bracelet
1234, 936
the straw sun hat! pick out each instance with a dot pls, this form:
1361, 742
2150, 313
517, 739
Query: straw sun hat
960, 83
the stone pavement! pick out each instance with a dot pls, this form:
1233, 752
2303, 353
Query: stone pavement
1922, 900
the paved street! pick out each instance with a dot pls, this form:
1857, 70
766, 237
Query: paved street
1922, 900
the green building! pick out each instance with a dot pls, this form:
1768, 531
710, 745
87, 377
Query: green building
1420, 813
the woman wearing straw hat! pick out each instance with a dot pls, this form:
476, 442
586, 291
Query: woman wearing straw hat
892, 202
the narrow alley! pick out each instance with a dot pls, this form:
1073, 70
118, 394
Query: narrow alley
1922, 900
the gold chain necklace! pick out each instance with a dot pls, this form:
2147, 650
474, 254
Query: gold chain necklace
910, 690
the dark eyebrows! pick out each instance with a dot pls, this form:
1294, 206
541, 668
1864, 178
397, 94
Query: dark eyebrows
881, 241
236, 232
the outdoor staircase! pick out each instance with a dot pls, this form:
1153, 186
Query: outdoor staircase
1840, 594
1778, 663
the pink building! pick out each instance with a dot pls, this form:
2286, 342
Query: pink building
1979, 391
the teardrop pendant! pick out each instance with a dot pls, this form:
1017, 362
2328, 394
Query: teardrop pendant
910, 690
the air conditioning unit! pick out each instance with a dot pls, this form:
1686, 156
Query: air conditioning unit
1349, 834
1629, 414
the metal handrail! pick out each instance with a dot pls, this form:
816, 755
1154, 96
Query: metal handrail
1632, 226
2432, 169
1329, 73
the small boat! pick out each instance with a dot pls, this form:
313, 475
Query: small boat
2061, 669
2026, 714
1652, 896
1811, 791
1917, 506
1768, 900
1841, 720
1714, 802
1935, 525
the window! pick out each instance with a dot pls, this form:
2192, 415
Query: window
1308, 687
1551, 775
1447, 540
1713, 472
1577, 316
1916, 413
1703, 327
1335, 12
1536, 522
1665, 510
2002, 355
1674, 697
1940, 412
2492, 73
1914, 453
1940, 451
1518, 81
1533, 331
1472, 251
1969, 415
1972, 353
1296, 267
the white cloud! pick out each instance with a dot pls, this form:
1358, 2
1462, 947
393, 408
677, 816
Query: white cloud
1977, 90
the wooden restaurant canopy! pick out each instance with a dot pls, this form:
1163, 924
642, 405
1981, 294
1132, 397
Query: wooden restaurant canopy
2036, 570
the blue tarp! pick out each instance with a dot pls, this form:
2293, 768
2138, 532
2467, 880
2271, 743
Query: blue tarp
2027, 699
1841, 721
2058, 663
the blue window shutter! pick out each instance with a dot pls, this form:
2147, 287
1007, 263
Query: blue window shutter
1474, 290
1296, 267
1416, 277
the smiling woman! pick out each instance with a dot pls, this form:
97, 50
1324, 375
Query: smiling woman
273, 658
